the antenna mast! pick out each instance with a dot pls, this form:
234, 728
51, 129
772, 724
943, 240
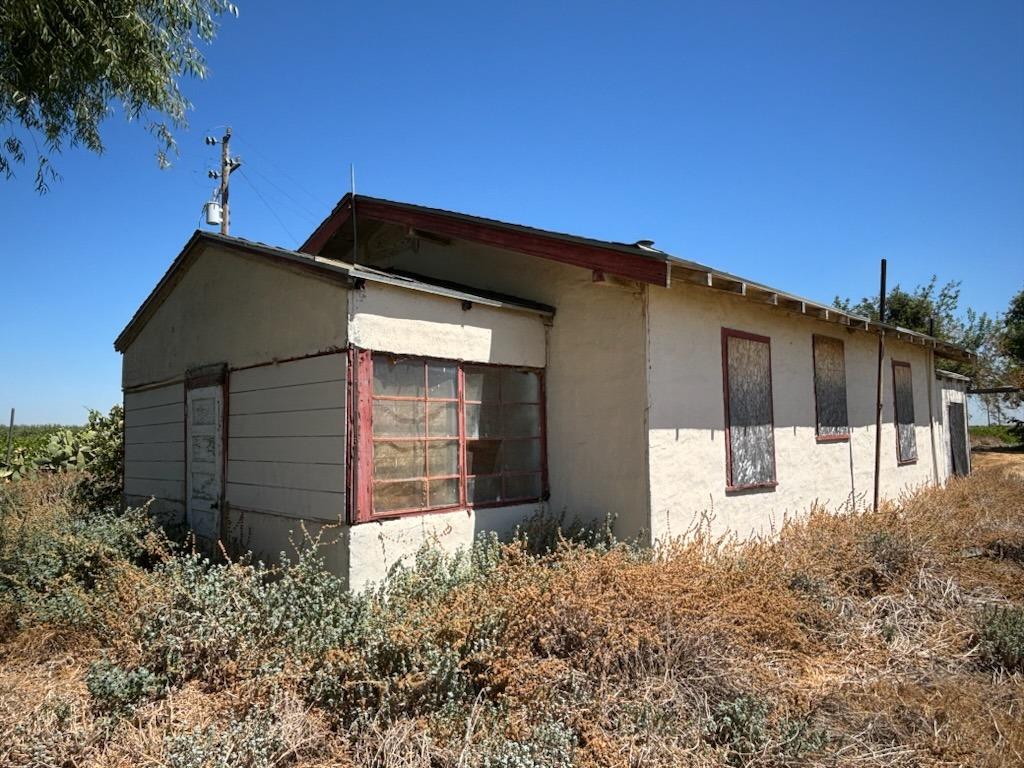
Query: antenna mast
228, 165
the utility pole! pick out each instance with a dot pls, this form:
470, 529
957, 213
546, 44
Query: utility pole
228, 165
878, 392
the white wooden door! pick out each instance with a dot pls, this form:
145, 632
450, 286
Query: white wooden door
205, 452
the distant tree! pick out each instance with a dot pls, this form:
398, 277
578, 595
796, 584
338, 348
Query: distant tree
1012, 343
63, 63
1011, 346
978, 333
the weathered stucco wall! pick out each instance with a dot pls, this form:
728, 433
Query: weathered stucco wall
687, 416
390, 319
385, 318
373, 548
239, 310
594, 373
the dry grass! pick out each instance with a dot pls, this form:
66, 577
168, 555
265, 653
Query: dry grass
845, 641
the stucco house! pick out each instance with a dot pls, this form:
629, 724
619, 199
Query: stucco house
412, 372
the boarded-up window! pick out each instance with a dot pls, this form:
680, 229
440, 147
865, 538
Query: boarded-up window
833, 423
903, 391
750, 435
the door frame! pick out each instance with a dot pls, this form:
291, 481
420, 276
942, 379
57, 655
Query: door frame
215, 375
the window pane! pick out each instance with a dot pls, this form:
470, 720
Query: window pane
397, 461
397, 378
830, 386
403, 495
522, 486
444, 493
480, 490
441, 380
442, 457
482, 383
519, 386
482, 457
482, 420
520, 420
520, 455
443, 419
751, 434
904, 398
397, 418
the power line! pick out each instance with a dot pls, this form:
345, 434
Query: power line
310, 215
269, 207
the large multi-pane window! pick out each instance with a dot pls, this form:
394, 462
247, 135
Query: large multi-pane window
749, 422
444, 434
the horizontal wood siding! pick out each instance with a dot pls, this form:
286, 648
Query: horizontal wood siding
154, 451
286, 438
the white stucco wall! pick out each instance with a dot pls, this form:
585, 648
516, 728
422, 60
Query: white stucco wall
386, 318
595, 380
236, 309
687, 415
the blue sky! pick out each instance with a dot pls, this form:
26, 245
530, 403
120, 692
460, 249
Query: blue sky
794, 143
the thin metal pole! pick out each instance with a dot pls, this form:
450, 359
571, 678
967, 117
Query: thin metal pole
10, 437
355, 229
878, 391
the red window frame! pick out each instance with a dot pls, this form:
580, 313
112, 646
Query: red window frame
361, 508
837, 437
728, 333
900, 461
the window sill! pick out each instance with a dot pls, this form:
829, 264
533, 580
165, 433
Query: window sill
752, 487
906, 463
388, 516
832, 438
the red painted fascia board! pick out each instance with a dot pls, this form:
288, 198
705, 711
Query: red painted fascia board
625, 265
316, 241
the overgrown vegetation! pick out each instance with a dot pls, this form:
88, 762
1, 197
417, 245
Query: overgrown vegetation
882, 639
995, 435
96, 450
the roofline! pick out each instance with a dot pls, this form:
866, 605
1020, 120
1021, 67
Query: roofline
629, 261
621, 259
319, 267
942, 373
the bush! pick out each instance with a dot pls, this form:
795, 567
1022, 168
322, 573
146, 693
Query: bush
402, 659
59, 570
118, 691
1000, 638
102, 484
255, 741
209, 619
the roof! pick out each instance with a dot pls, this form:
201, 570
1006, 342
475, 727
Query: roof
941, 373
319, 266
637, 261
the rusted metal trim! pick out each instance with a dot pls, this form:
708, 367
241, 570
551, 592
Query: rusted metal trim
206, 376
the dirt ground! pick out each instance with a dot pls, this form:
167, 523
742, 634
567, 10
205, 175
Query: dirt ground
1010, 458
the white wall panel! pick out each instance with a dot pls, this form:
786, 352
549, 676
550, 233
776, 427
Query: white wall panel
286, 438
154, 451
